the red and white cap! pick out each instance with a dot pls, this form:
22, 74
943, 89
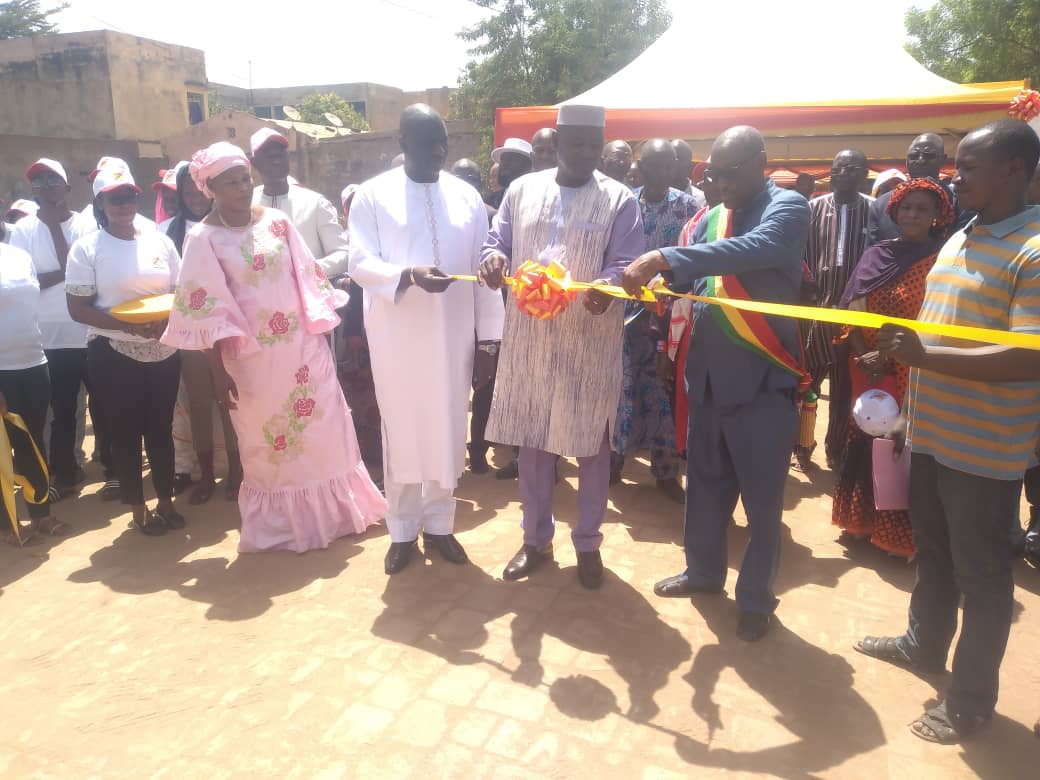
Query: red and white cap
101, 164
44, 164
112, 175
22, 206
169, 177
265, 135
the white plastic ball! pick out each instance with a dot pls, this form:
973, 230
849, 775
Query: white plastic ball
876, 413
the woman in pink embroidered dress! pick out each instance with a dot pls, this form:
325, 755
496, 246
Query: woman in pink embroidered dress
251, 295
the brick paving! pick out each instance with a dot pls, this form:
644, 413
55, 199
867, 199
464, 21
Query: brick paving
173, 657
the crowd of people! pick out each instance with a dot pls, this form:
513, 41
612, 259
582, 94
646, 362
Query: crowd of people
284, 311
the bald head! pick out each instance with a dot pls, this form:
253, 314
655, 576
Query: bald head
657, 167
742, 140
468, 171
925, 157
848, 175
683, 164
417, 115
543, 149
616, 160
424, 141
738, 164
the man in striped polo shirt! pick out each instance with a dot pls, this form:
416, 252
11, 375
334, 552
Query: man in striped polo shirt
974, 419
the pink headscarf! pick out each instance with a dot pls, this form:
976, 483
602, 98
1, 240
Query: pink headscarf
214, 160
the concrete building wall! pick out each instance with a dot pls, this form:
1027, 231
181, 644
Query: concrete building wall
78, 156
56, 86
331, 164
382, 104
150, 85
97, 85
233, 126
327, 165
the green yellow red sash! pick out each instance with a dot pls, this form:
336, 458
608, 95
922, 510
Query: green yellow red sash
746, 329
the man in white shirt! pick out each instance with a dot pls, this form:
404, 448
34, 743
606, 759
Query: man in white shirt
411, 228
47, 236
311, 213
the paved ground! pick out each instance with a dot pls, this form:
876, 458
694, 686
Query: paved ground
128, 656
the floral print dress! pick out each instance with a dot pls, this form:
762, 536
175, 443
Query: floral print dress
261, 293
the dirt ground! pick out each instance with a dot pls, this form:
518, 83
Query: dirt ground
174, 657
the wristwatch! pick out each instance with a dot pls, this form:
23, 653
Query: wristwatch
491, 347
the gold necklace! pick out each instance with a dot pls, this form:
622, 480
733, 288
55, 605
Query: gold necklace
234, 227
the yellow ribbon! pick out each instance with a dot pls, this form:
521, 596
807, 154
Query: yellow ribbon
8, 477
856, 319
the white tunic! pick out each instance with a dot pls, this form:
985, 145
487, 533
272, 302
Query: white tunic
316, 219
422, 344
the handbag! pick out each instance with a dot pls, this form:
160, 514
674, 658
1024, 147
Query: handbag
891, 472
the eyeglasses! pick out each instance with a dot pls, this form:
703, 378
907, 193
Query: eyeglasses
714, 175
120, 197
48, 180
841, 170
922, 155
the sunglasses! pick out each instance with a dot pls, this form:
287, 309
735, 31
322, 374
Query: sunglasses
843, 169
120, 197
49, 180
922, 155
714, 175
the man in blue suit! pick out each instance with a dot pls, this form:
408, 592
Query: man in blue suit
743, 407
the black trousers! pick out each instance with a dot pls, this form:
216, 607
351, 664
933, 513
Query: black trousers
68, 368
481, 412
839, 406
27, 391
137, 399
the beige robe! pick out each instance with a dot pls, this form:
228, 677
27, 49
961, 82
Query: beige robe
559, 381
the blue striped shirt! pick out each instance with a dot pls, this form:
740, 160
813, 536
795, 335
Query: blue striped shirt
987, 276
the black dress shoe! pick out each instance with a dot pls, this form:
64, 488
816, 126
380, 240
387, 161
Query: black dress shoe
590, 569
509, 471
526, 561
672, 489
753, 626
447, 545
681, 586
397, 556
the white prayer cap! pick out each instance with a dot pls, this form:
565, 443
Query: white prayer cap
583, 116
263, 135
113, 175
514, 146
44, 164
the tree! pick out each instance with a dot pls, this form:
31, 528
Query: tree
540, 52
314, 107
978, 40
19, 18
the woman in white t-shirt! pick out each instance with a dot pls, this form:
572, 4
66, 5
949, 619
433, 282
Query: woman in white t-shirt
134, 374
25, 387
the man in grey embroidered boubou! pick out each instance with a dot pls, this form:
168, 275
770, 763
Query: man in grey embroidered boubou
559, 381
